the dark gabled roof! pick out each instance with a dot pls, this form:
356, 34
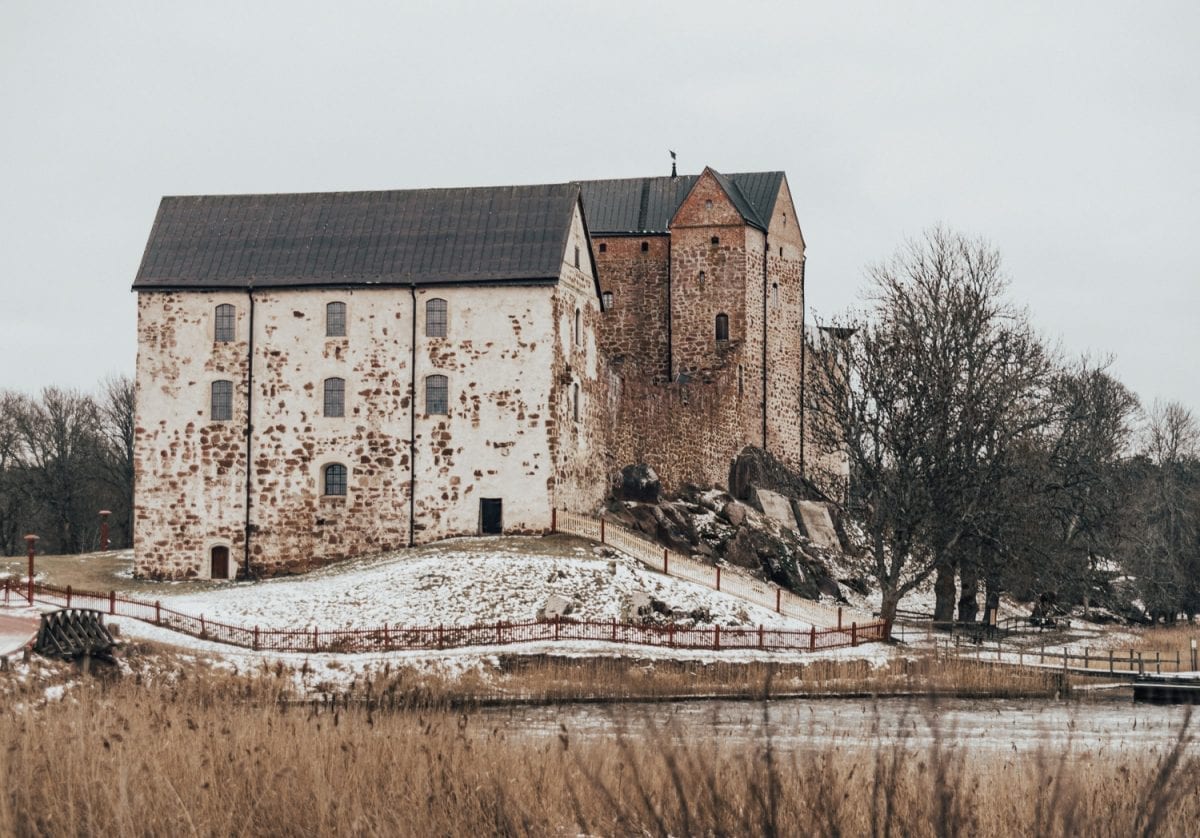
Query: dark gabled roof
419, 236
646, 205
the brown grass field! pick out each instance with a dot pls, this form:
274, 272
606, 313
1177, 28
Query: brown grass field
193, 752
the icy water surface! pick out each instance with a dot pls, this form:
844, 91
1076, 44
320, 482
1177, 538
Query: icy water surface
989, 724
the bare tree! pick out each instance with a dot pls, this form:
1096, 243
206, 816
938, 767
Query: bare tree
114, 464
927, 401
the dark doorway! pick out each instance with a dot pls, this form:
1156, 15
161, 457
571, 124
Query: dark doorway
220, 563
490, 516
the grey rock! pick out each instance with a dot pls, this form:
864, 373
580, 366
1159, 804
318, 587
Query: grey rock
817, 523
639, 482
556, 606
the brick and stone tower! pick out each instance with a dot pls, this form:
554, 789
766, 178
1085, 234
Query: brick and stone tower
703, 278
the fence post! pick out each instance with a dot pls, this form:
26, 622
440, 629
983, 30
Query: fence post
203, 630
1157, 664
666, 552
68, 596
554, 519
256, 638
112, 602
812, 638
778, 595
760, 636
854, 634
717, 636
1064, 658
614, 629
1110, 662
442, 635
1085, 657
557, 623
316, 642
671, 635
839, 618
718, 577
602, 531
158, 614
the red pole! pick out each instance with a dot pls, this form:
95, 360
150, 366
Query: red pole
839, 617
760, 637
104, 513
68, 596
717, 636
854, 634
601, 530
554, 519
112, 602
158, 615
614, 629
30, 540
718, 577
255, 636
812, 638
665, 552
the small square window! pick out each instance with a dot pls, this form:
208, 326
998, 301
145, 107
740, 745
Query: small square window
607, 298
716, 240
645, 247
603, 247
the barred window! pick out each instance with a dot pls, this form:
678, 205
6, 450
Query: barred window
722, 327
608, 300
578, 331
335, 397
225, 321
335, 480
222, 401
435, 318
437, 394
335, 320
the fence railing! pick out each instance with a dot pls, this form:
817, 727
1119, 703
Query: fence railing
397, 638
725, 579
1100, 661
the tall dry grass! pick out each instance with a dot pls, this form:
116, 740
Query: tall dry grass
209, 754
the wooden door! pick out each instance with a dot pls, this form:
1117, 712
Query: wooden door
491, 518
220, 563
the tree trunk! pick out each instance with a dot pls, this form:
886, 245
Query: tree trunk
944, 591
887, 609
968, 607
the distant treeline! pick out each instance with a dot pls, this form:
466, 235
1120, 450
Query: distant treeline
64, 456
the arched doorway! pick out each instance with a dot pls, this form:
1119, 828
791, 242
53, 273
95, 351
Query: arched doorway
219, 568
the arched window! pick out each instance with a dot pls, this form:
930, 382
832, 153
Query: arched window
335, 320
335, 397
333, 480
435, 318
722, 327
437, 395
224, 323
578, 332
222, 401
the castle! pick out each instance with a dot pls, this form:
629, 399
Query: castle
327, 375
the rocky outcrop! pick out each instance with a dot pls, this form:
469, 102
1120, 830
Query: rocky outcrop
638, 483
756, 467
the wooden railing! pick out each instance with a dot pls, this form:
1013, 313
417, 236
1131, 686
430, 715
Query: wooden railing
388, 638
729, 580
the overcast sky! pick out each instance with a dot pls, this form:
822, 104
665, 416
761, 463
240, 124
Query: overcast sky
1069, 136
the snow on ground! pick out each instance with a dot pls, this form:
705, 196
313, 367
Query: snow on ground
467, 581
318, 673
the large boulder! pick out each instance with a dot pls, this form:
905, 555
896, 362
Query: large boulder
556, 606
756, 467
775, 506
817, 523
639, 482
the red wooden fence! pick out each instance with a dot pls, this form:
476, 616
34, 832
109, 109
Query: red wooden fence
392, 638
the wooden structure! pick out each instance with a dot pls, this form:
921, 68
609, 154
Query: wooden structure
73, 633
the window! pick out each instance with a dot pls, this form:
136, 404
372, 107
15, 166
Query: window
722, 327
775, 294
603, 247
225, 318
741, 381
334, 480
335, 397
607, 299
435, 318
335, 320
578, 331
577, 257
708, 204
222, 401
701, 280
716, 240
645, 247
437, 395
575, 402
